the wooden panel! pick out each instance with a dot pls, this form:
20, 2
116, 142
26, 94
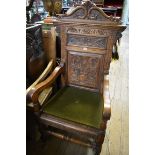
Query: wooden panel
80, 40
83, 69
88, 30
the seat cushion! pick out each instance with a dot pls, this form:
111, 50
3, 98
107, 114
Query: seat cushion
77, 105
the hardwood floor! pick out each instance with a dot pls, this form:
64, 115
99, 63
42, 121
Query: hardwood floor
117, 135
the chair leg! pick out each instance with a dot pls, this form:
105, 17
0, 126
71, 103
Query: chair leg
98, 144
42, 130
98, 150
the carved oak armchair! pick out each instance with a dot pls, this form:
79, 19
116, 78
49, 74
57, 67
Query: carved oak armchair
82, 105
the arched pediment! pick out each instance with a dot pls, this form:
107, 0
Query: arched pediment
89, 12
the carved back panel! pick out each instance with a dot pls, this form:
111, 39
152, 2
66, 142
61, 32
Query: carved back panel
87, 38
83, 69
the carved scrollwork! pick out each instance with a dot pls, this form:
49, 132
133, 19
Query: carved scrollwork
115, 36
77, 13
87, 30
89, 11
95, 14
97, 42
88, 5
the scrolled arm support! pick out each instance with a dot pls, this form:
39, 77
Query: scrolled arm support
33, 94
106, 95
42, 76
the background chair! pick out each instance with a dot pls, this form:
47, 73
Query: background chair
79, 111
37, 69
36, 60
38, 63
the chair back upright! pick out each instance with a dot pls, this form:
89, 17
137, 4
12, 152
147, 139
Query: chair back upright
87, 39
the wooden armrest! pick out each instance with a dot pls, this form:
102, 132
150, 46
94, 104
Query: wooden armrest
42, 76
33, 94
43, 97
106, 95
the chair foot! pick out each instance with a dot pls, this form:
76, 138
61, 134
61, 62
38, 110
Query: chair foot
98, 144
43, 137
42, 130
97, 148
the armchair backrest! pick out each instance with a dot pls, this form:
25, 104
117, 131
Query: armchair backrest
87, 39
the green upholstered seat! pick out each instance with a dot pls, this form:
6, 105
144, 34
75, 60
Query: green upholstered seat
77, 105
